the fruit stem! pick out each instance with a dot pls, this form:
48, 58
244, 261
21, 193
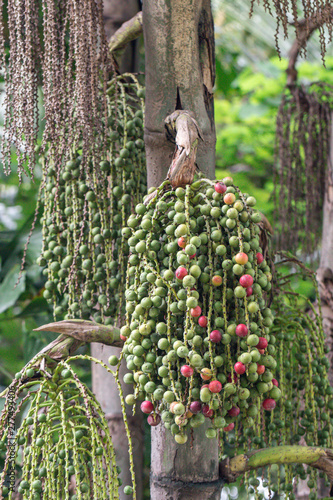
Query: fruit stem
320, 458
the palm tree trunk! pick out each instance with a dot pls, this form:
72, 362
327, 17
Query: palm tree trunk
180, 72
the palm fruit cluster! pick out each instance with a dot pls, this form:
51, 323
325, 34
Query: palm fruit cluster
304, 413
304, 416
63, 448
197, 333
84, 252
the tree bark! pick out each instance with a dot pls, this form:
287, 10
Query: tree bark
180, 73
103, 384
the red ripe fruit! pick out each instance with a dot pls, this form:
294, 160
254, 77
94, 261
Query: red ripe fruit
261, 369
215, 336
207, 411
181, 242
260, 257
217, 280
241, 330
203, 321
269, 404
234, 411
181, 272
246, 280
123, 337
196, 312
241, 258
262, 344
229, 427
195, 407
275, 382
193, 256
147, 406
154, 420
261, 351
186, 371
240, 368
249, 291
215, 386
220, 187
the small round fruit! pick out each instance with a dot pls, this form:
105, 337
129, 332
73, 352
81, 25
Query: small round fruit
241, 330
217, 280
195, 407
210, 433
246, 280
229, 198
269, 404
229, 427
262, 344
181, 272
187, 371
208, 412
113, 360
260, 257
240, 292
203, 321
239, 368
128, 490
215, 386
154, 420
241, 258
147, 407
261, 369
181, 438
220, 187
181, 242
275, 382
215, 336
206, 374
234, 411
196, 312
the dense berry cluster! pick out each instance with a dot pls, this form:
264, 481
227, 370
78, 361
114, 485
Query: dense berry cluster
197, 333
63, 445
85, 209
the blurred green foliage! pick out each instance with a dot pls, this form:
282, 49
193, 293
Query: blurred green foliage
245, 123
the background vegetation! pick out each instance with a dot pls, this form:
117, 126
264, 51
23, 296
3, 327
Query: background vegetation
250, 81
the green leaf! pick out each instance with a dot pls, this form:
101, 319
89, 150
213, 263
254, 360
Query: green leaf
8, 293
36, 306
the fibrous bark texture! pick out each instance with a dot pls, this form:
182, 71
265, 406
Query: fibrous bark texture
325, 271
184, 472
180, 74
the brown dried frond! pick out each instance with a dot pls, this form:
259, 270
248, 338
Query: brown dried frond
287, 12
67, 54
303, 141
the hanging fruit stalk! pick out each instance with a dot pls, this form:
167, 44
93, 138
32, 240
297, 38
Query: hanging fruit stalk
63, 442
85, 208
